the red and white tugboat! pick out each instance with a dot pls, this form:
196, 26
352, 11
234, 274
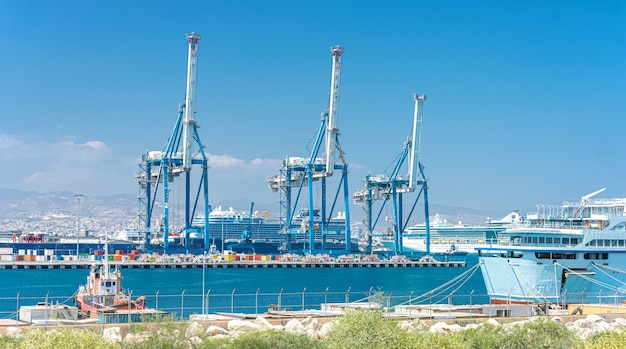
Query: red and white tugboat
103, 292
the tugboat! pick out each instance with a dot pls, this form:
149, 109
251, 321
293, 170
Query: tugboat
103, 293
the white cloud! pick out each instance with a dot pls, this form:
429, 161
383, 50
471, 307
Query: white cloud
8, 141
64, 165
96, 145
224, 161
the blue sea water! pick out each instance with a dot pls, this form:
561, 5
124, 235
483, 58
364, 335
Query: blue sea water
248, 290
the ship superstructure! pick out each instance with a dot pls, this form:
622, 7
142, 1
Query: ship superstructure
575, 254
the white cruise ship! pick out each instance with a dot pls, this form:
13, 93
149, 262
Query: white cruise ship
446, 237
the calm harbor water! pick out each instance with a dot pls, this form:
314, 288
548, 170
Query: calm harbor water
247, 290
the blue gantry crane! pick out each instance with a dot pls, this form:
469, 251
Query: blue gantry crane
182, 152
385, 187
298, 173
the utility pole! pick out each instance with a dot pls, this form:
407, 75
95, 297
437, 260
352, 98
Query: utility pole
79, 197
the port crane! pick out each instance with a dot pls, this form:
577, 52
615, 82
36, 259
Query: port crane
384, 187
182, 152
298, 173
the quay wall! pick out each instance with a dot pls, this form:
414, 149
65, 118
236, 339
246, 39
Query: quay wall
82, 264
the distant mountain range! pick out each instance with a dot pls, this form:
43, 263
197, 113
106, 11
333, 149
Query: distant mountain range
123, 208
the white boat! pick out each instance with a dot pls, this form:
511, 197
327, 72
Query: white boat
446, 237
576, 254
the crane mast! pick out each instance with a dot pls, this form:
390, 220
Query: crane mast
331, 126
416, 139
190, 96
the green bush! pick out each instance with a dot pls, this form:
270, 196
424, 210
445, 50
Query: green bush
272, 339
360, 329
365, 329
535, 334
54, 339
606, 340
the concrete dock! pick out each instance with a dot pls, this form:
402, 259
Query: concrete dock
83, 264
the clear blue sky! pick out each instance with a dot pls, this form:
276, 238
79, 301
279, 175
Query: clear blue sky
526, 99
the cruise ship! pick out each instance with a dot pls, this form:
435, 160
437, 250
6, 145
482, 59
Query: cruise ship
228, 229
576, 254
446, 237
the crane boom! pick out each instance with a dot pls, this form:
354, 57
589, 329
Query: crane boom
190, 96
331, 126
416, 139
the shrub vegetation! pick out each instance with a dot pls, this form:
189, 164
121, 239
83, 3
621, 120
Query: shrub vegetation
362, 329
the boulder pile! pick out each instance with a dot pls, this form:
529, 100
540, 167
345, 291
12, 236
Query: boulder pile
195, 331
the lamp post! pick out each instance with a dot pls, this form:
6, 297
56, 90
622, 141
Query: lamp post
203, 299
79, 197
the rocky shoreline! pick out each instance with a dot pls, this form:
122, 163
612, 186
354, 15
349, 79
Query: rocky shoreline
197, 331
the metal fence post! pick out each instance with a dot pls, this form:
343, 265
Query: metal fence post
303, 291
46, 312
280, 299
182, 305
17, 306
232, 301
208, 294
470, 300
430, 305
256, 301
325, 300
348, 296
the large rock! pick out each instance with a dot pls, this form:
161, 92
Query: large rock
295, 326
492, 322
263, 323
194, 342
13, 331
589, 322
442, 327
112, 334
216, 330
312, 328
237, 325
413, 326
589, 325
194, 329
619, 323
136, 337
325, 329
